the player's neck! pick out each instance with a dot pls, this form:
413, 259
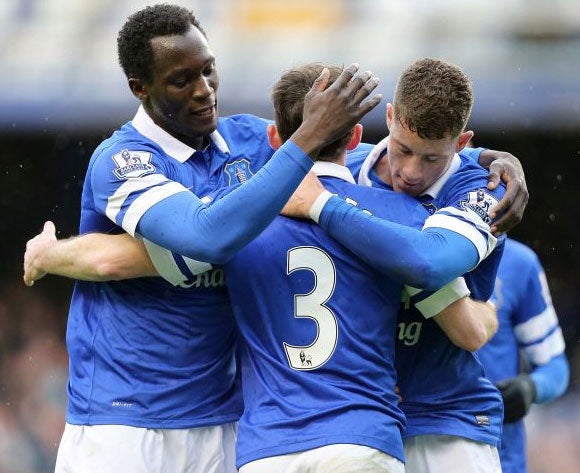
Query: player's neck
340, 160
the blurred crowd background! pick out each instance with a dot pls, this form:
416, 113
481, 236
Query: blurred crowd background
62, 91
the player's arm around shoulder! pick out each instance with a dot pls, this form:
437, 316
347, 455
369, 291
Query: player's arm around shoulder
90, 257
507, 168
465, 206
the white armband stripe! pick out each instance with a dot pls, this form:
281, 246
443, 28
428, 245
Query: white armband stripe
542, 352
469, 215
168, 269
147, 200
442, 298
164, 263
195, 266
115, 201
462, 228
537, 327
318, 205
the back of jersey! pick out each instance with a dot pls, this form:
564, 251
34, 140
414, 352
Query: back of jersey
319, 337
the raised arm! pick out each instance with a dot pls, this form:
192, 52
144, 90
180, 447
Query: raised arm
172, 217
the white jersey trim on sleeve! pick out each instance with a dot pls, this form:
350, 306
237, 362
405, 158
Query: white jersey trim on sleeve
552, 346
442, 298
167, 267
475, 219
147, 200
318, 205
537, 327
115, 201
483, 245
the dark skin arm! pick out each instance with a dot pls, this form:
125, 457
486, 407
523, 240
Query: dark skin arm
505, 167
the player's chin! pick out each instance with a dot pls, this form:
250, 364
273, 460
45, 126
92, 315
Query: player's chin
413, 191
203, 126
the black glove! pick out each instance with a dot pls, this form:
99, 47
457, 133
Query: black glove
518, 394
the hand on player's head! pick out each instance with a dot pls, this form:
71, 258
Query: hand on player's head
330, 112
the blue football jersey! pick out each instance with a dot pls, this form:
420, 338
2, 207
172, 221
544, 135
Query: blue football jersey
318, 327
528, 324
145, 353
444, 388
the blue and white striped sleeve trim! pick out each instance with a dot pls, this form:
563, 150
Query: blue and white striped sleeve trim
541, 337
430, 303
467, 223
153, 188
175, 269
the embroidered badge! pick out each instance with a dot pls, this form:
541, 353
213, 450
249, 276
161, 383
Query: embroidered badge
481, 203
482, 420
238, 172
132, 164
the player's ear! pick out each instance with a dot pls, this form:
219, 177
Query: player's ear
464, 138
389, 115
138, 88
273, 136
355, 138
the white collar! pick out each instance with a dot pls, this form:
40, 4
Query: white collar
178, 150
442, 179
370, 161
325, 168
377, 151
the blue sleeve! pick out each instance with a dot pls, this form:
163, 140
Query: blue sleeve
472, 153
551, 379
183, 224
425, 259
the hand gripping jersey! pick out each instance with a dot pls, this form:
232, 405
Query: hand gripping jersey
527, 323
145, 353
444, 388
318, 327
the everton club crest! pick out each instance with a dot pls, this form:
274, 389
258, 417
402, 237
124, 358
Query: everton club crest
238, 172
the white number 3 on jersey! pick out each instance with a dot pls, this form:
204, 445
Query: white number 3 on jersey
312, 306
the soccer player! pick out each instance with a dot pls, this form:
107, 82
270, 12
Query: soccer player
152, 374
159, 230
303, 275
454, 413
318, 327
528, 324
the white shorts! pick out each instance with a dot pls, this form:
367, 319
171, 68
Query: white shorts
449, 454
337, 458
124, 449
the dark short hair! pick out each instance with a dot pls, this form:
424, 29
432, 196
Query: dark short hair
433, 99
134, 39
288, 100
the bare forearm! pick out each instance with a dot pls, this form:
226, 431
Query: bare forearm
488, 317
75, 258
97, 257
469, 324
